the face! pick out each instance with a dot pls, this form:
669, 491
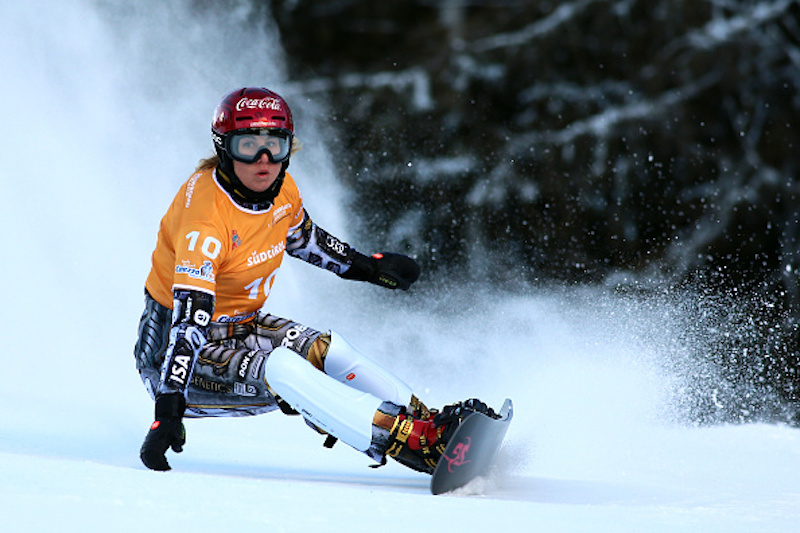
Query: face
257, 176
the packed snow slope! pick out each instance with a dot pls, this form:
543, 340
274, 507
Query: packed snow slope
106, 112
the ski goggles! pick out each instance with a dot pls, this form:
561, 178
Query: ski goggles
248, 145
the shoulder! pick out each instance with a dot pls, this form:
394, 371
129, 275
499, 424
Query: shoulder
289, 203
290, 185
192, 190
196, 202
290, 192
198, 188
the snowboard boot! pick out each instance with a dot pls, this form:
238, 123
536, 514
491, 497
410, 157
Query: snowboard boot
417, 437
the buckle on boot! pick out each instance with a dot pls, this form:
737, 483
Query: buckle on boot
400, 432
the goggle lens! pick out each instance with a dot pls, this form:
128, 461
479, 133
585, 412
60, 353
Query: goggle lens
247, 146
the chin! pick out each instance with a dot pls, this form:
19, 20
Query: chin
260, 186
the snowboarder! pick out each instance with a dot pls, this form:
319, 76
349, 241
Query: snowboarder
206, 347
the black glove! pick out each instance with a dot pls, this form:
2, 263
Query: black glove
167, 431
393, 271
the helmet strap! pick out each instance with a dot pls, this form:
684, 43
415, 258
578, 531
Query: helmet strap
247, 198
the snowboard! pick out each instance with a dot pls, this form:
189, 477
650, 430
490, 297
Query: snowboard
471, 450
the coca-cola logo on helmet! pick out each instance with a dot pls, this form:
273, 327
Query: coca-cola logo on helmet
258, 103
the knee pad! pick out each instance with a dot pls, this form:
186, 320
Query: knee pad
349, 366
344, 412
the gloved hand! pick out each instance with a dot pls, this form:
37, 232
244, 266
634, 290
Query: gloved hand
167, 431
393, 271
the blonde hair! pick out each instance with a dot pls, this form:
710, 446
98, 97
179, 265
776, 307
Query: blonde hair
211, 162
207, 163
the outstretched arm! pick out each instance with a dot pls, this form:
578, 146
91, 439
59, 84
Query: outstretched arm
192, 313
309, 242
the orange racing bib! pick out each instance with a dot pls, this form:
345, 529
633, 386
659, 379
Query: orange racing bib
207, 242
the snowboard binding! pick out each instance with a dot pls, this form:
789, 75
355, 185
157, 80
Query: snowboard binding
418, 438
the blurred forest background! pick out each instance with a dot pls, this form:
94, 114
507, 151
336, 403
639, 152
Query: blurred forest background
640, 145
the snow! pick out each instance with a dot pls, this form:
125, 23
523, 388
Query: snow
100, 131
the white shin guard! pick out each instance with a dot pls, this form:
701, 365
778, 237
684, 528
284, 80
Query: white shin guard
349, 366
342, 411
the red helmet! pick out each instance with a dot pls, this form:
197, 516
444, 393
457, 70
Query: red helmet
247, 109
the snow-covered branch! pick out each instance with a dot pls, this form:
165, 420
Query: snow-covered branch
607, 121
720, 30
415, 79
560, 17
